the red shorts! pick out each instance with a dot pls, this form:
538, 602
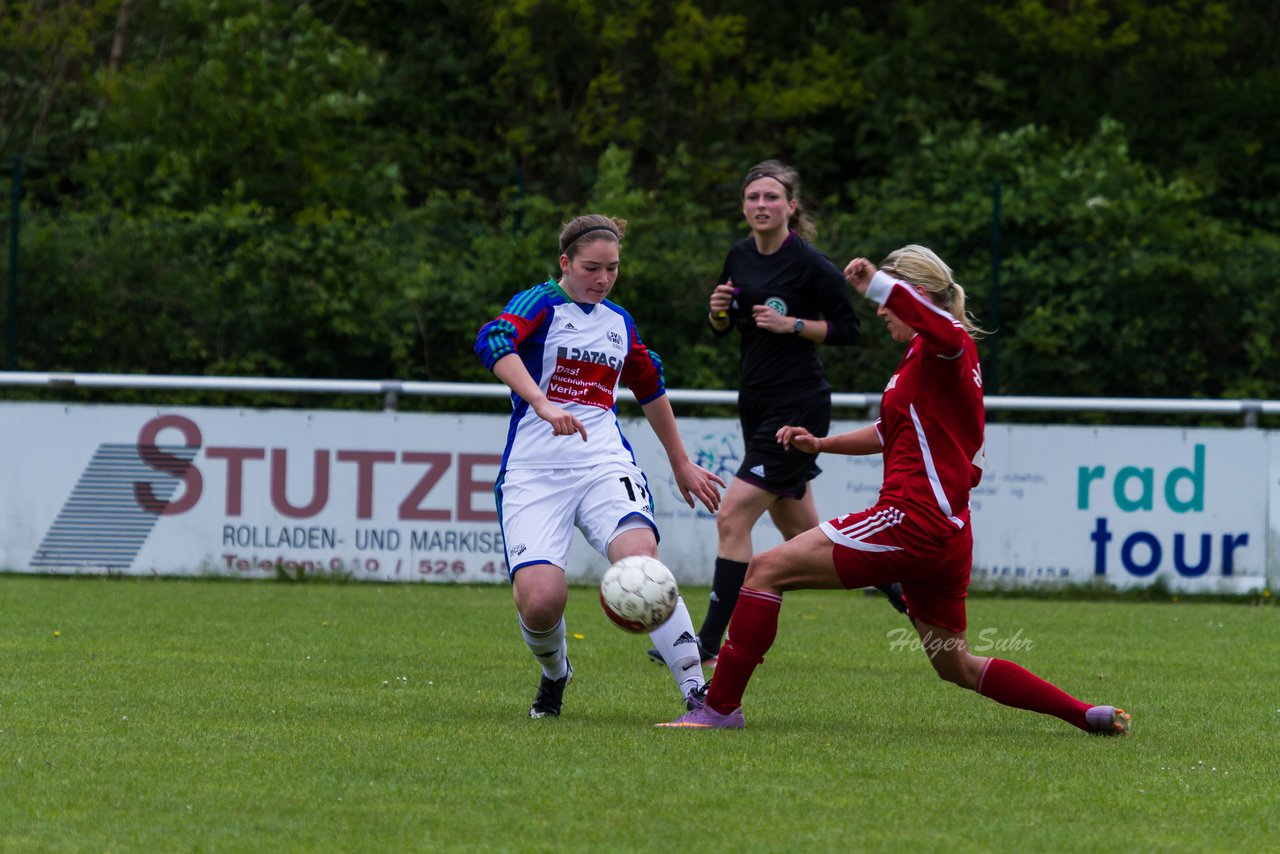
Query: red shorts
882, 544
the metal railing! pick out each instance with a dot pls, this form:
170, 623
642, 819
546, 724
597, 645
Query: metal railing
1249, 411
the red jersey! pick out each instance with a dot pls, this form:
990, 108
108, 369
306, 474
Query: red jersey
931, 414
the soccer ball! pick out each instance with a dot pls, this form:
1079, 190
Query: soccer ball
638, 593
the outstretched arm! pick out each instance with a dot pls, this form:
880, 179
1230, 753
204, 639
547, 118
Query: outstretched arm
512, 371
864, 440
693, 479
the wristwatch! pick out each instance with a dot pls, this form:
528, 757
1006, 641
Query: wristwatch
798, 327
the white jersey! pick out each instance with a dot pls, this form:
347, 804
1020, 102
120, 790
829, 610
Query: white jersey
578, 354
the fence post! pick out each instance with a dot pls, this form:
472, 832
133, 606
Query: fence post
992, 369
391, 390
11, 322
1252, 410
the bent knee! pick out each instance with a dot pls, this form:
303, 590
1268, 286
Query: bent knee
733, 525
765, 571
541, 615
540, 609
791, 530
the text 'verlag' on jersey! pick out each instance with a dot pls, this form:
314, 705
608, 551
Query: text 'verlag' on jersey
587, 383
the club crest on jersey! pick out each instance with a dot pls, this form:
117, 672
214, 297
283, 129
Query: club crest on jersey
617, 340
777, 304
578, 354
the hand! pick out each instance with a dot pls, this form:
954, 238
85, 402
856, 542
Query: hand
859, 273
695, 481
722, 299
799, 438
771, 320
562, 423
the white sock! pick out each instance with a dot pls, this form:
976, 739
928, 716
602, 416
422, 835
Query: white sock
678, 643
549, 647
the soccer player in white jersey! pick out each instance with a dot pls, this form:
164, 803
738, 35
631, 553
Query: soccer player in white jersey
931, 434
563, 348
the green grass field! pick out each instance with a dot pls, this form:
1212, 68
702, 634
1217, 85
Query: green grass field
149, 715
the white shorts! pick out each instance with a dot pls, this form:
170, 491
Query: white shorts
539, 508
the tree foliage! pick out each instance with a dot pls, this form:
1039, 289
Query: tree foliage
344, 188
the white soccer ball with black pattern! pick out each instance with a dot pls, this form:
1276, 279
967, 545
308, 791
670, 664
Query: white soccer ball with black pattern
638, 593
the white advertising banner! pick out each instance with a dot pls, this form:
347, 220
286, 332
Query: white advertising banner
1125, 506
409, 497
138, 490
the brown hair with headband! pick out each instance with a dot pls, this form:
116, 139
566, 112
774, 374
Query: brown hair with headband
584, 230
800, 222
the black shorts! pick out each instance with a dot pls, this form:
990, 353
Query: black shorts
765, 464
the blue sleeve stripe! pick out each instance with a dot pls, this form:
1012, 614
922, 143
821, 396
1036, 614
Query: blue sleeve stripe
524, 304
496, 340
657, 364
527, 303
657, 394
656, 361
498, 337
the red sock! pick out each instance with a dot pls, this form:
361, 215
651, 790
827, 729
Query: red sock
751, 632
1006, 682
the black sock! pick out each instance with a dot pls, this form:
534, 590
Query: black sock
894, 593
724, 595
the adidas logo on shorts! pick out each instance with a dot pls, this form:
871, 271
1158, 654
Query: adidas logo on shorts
758, 471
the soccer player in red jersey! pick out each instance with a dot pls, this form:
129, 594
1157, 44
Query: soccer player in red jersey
930, 432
